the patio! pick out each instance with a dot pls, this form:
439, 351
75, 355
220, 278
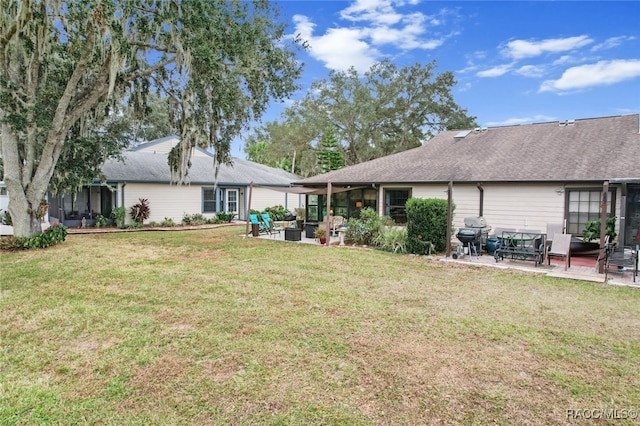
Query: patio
582, 267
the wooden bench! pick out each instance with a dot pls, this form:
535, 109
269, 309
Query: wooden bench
518, 245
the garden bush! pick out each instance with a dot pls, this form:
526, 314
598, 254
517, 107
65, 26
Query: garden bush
224, 217
51, 236
393, 239
276, 212
426, 225
168, 222
101, 221
194, 219
119, 214
365, 229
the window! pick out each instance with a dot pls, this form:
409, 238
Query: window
232, 201
395, 204
208, 200
340, 204
583, 206
314, 203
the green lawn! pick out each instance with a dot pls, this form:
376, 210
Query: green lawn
205, 327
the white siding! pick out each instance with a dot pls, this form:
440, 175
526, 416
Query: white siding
174, 201
165, 201
518, 206
523, 206
159, 148
264, 197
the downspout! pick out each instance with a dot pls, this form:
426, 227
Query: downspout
122, 193
481, 189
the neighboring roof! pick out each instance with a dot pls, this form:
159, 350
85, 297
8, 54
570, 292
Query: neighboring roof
594, 149
164, 146
145, 166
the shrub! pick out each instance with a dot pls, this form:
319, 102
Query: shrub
276, 212
365, 230
167, 222
426, 225
119, 213
592, 229
101, 221
194, 219
225, 217
11, 243
50, 236
392, 239
141, 211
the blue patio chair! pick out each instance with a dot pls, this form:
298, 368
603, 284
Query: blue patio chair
272, 227
262, 228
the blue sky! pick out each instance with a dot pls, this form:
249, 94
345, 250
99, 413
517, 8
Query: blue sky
515, 61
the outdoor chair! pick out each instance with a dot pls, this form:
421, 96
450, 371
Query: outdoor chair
561, 247
272, 227
337, 222
262, 228
552, 229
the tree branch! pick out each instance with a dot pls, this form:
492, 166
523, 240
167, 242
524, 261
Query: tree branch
21, 19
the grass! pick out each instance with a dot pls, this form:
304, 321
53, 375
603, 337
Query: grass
205, 327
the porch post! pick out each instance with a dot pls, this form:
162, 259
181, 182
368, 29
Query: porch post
449, 218
328, 225
246, 230
603, 224
622, 223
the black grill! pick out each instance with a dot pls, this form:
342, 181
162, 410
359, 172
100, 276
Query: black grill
474, 234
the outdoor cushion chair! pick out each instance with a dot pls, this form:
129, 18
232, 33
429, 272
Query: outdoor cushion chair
262, 228
271, 225
337, 222
561, 247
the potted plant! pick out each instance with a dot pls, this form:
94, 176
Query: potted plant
591, 235
321, 234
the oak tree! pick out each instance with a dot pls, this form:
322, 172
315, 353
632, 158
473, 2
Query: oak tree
385, 110
66, 66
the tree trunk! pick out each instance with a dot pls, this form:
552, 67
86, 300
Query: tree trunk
24, 197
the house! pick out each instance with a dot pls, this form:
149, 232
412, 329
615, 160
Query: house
520, 177
145, 174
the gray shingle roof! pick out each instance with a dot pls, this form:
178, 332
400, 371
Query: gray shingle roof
594, 149
150, 167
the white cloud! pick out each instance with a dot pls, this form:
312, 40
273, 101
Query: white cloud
376, 24
567, 59
612, 42
379, 12
338, 48
533, 71
519, 49
496, 71
599, 74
